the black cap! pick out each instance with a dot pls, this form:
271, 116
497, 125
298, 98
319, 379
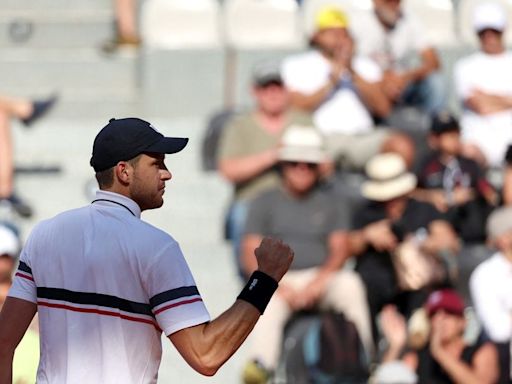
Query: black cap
444, 122
124, 139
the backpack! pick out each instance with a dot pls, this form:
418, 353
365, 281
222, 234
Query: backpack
331, 352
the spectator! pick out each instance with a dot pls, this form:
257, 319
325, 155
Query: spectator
127, 35
507, 177
342, 91
491, 286
248, 145
454, 183
390, 219
446, 358
304, 212
27, 111
27, 353
390, 36
483, 83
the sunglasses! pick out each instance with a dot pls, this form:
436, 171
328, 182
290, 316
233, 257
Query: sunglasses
294, 164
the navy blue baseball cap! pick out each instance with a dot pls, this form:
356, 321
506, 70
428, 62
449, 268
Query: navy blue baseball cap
124, 139
444, 122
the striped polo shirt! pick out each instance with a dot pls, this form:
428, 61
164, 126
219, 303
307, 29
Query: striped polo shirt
106, 285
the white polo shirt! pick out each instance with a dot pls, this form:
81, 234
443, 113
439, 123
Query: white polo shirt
106, 285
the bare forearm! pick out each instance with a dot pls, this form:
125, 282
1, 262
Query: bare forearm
430, 63
6, 161
372, 96
207, 347
459, 371
245, 168
357, 242
310, 102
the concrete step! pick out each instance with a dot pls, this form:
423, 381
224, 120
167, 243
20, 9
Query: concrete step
67, 70
54, 5
55, 29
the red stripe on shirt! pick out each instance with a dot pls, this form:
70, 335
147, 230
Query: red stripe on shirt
99, 312
177, 304
28, 277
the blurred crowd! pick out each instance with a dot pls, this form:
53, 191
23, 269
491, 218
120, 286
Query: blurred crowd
406, 231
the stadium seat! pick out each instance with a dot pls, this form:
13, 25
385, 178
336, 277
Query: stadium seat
254, 24
465, 21
180, 24
438, 18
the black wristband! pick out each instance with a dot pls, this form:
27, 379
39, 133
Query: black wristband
259, 290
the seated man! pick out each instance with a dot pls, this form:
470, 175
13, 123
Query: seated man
454, 183
342, 91
446, 357
483, 82
390, 36
491, 286
313, 220
391, 218
249, 142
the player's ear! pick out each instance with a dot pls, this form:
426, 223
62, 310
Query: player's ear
123, 172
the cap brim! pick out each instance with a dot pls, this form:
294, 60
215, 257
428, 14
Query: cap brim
168, 145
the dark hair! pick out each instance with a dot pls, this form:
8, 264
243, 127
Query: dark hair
508, 155
105, 178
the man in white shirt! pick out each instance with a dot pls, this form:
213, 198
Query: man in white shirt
491, 285
343, 93
393, 37
483, 82
106, 284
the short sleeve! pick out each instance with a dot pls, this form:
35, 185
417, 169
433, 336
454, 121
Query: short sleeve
230, 140
342, 215
174, 298
367, 69
24, 286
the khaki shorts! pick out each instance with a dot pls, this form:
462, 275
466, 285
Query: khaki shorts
353, 151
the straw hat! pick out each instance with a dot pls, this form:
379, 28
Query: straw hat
388, 178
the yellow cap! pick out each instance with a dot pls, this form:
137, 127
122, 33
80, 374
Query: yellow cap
331, 17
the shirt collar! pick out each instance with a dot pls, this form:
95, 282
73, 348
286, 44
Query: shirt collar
106, 197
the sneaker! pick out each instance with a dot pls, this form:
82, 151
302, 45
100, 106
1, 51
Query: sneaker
119, 42
39, 109
255, 373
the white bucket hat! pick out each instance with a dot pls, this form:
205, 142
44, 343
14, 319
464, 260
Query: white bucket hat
388, 178
303, 143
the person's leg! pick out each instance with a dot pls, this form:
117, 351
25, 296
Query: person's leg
16, 107
428, 94
346, 294
26, 110
6, 156
237, 215
378, 275
126, 20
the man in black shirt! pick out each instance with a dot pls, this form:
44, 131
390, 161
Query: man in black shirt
388, 220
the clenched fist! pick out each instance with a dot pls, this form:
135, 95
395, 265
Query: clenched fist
274, 257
